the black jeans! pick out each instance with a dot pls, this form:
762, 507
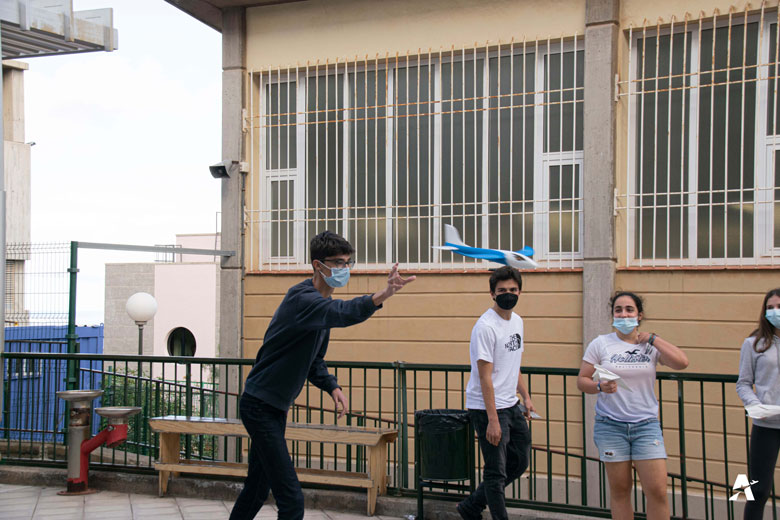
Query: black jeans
270, 466
502, 464
764, 446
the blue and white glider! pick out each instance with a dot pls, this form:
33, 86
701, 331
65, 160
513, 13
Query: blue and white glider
519, 259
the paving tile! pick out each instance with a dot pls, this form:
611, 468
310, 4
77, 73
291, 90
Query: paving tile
61, 516
17, 508
14, 516
206, 516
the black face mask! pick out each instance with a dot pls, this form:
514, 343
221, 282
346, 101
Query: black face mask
506, 300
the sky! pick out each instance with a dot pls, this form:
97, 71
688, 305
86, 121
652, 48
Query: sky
123, 139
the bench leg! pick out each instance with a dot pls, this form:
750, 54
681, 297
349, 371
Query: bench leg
169, 454
377, 464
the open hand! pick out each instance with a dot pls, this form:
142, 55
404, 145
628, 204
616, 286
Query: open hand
395, 282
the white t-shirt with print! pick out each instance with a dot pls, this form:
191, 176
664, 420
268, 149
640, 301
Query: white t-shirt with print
497, 341
635, 364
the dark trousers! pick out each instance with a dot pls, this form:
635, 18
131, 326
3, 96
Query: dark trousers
764, 446
270, 466
502, 464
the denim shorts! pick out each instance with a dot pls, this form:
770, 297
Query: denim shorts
619, 441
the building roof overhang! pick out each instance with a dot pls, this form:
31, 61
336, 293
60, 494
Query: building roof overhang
210, 11
32, 28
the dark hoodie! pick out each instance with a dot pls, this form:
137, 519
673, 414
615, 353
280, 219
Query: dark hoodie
295, 343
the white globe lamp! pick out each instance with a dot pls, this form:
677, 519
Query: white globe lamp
141, 307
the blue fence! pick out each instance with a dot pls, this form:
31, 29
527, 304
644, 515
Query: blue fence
36, 411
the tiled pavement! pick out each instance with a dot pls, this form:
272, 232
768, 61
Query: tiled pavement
41, 503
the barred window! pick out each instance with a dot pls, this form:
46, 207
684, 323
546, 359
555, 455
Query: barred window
702, 187
386, 150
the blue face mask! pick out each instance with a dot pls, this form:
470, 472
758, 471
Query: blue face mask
625, 325
339, 276
773, 315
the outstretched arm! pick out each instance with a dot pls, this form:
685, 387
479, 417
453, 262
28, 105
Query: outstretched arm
395, 282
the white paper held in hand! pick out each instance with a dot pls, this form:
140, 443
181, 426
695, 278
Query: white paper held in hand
762, 411
602, 374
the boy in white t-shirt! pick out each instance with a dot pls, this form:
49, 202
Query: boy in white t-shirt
496, 350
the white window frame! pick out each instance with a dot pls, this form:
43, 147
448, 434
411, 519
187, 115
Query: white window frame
541, 160
764, 146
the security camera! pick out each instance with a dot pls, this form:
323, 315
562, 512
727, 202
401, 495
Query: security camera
223, 169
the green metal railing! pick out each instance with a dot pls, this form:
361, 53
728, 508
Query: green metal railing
706, 436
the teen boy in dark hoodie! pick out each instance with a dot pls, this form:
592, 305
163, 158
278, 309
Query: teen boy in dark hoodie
293, 350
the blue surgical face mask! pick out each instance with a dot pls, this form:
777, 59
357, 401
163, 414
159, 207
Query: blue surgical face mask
773, 315
625, 325
339, 276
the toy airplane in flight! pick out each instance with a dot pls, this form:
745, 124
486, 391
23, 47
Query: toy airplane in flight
519, 259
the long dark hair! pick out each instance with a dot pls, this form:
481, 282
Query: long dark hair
765, 329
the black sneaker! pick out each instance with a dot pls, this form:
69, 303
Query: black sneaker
465, 515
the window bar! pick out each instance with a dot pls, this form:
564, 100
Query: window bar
316, 132
773, 196
451, 112
437, 123
481, 217
345, 114
561, 155
712, 109
389, 163
394, 253
547, 145
277, 214
418, 107
683, 91
742, 122
575, 168
376, 156
641, 110
486, 173
462, 114
512, 102
727, 140
656, 95
629, 155
352, 173
524, 106
253, 83
670, 94
407, 125
428, 166
367, 118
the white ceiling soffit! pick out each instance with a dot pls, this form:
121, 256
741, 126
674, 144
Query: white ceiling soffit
33, 28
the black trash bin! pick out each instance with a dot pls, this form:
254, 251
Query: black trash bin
444, 452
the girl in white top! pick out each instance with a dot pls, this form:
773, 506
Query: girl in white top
627, 430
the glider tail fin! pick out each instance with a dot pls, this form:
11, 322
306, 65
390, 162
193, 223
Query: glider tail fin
451, 235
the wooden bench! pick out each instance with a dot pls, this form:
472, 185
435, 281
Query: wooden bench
171, 427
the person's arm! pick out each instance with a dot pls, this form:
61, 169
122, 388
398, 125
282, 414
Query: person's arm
523, 391
747, 376
670, 355
585, 382
489, 396
325, 381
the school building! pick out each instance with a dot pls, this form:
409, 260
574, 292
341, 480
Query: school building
632, 144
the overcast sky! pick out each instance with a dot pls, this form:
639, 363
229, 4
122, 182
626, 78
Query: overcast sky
123, 140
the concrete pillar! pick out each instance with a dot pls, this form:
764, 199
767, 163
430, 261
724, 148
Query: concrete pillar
231, 293
233, 95
598, 277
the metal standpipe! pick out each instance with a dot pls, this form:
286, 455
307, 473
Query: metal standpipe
79, 430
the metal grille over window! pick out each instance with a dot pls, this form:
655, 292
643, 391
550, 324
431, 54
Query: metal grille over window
385, 150
702, 185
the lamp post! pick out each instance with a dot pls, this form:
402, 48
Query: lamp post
141, 307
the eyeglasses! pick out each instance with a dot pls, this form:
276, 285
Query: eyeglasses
341, 263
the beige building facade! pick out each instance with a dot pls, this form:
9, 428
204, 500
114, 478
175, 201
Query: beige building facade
632, 144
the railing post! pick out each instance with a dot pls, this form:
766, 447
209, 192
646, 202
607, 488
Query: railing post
72, 380
681, 429
188, 410
403, 423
